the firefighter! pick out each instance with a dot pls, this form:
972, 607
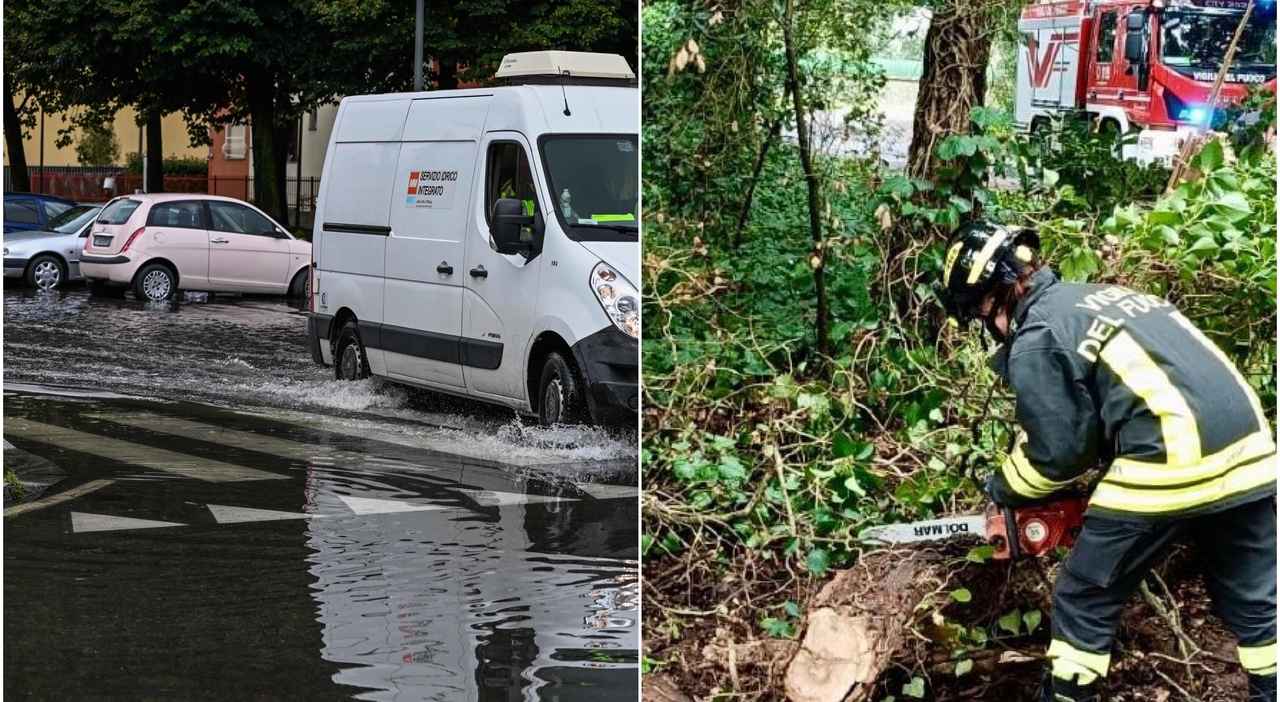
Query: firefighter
1109, 378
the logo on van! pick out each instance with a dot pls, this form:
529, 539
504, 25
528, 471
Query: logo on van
431, 189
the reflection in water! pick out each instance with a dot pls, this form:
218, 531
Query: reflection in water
451, 602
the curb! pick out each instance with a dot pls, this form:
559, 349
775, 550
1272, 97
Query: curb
34, 472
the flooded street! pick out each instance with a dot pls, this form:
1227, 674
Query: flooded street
232, 523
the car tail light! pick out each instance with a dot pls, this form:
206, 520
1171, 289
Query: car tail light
87, 239
131, 238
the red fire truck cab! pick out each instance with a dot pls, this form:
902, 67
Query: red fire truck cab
1140, 64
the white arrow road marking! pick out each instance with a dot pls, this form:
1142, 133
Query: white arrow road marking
82, 522
232, 515
601, 491
493, 498
368, 505
136, 454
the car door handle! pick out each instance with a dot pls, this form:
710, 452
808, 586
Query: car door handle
444, 268
479, 272
219, 241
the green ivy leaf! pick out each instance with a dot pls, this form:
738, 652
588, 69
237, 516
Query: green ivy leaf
961, 595
963, 667
1032, 620
1011, 622
980, 554
915, 688
817, 561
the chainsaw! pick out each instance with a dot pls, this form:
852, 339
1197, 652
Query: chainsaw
1013, 531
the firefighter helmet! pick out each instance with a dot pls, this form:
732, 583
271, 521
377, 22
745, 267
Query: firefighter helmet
980, 257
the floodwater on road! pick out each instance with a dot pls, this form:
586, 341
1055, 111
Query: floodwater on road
234, 524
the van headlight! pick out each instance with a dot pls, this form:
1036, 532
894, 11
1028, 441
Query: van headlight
619, 299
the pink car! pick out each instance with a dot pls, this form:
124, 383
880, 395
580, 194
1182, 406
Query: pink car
160, 244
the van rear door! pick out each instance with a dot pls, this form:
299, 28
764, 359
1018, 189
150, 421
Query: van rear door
425, 266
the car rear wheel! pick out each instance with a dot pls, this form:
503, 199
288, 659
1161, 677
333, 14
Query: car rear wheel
560, 393
349, 359
46, 272
155, 283
301, 284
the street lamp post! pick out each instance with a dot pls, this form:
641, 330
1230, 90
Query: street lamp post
417, 49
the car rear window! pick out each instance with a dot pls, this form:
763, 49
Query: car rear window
118, 212
71, 220
53, 209
21, 211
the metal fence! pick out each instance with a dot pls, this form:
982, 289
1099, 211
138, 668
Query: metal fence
84, 184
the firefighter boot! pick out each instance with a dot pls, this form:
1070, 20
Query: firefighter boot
1262, 688
1056, 690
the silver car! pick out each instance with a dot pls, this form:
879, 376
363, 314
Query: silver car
50, 256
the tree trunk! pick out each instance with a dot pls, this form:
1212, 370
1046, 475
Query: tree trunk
818, 256
745, 210
155, 154
270, 150
19, 179
956, 50
858, 623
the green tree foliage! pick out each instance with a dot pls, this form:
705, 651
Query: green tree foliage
97, 145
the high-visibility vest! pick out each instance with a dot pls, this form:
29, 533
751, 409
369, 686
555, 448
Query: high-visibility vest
1104, 375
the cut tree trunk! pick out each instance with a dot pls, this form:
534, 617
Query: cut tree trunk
857, 624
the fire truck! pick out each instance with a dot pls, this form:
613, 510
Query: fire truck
1147, 65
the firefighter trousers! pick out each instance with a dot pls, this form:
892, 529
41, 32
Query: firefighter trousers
1237, 548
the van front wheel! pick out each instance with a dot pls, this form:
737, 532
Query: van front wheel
349, 359
560, 393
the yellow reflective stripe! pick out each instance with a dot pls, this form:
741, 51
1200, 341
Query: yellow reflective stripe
1138, 473
1248, 391
984, 257
1259, 660
1156, 501
1070, 662
614, 218
1137, 371
1024, 478
528, 206
953, 255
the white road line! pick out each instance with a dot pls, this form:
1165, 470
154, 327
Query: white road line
82, 522
219, 435
136, 454
60, 497
493, 498
233, 515
368, 505
601, 491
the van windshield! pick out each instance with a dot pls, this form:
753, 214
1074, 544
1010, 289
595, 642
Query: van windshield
595, 184
1198, 39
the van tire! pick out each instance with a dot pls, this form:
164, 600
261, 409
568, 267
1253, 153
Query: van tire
301, 284
350, 362
560, 399
156, 282
46, 272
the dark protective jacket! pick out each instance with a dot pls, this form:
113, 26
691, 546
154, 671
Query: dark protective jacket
1104, 376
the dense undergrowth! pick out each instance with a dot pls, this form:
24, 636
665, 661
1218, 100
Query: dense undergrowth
757, 449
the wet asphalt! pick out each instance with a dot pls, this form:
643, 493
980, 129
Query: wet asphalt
235, 525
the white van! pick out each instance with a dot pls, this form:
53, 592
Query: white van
485, 242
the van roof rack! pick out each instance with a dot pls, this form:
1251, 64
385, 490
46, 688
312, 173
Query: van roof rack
565, 68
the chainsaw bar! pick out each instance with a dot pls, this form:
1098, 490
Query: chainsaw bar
932, 530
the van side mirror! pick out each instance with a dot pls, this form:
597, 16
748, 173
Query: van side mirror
505, 222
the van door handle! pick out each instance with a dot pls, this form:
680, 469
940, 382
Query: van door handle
444, 268
479, 272
219, 241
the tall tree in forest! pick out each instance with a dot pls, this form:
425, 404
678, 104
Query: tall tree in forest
818, 255
957, 48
